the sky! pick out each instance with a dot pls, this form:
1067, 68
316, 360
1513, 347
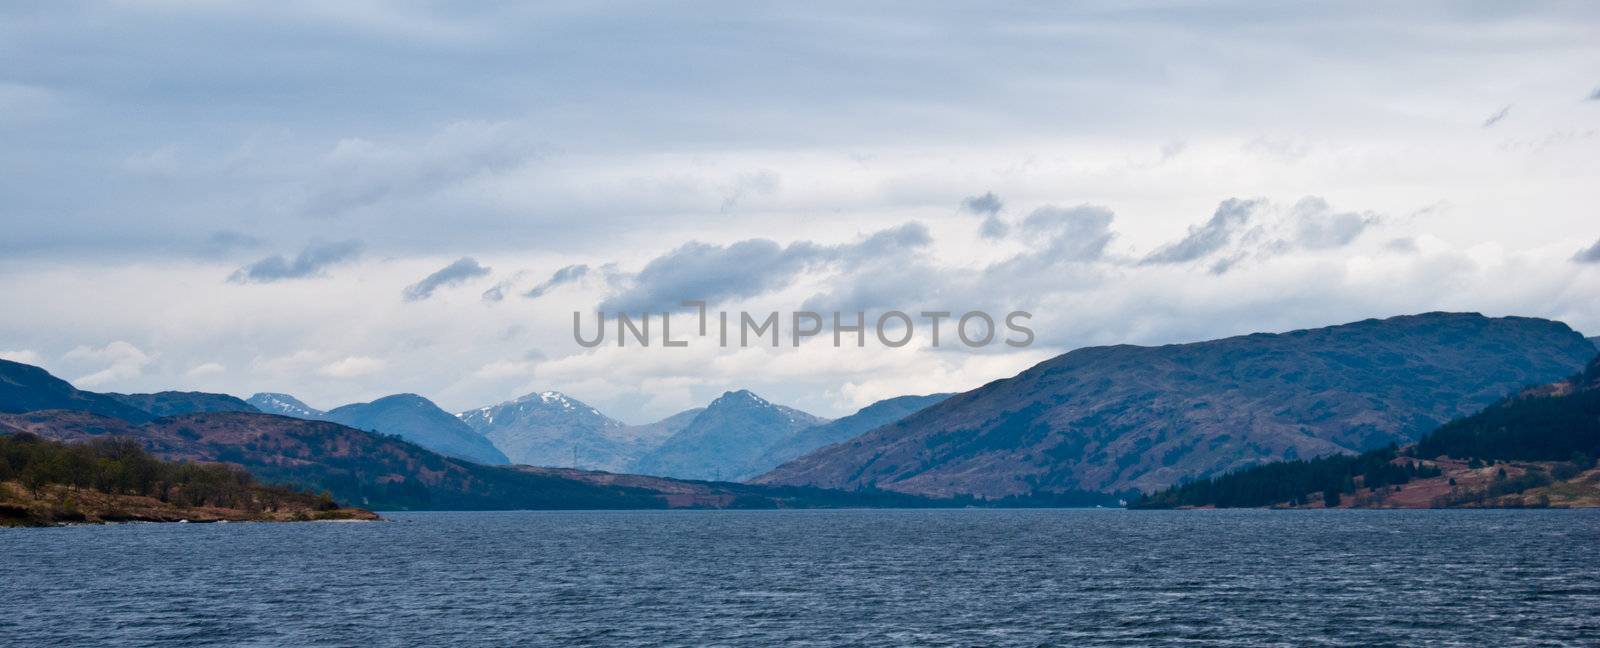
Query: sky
346, 200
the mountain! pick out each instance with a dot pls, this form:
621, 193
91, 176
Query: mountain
169, 403
552, 429
727, 440
1110, 418
26, 388
418, 420
1534, 448
877, 414
387, 473
1548, 423
1596, 341
285, 405
369, 469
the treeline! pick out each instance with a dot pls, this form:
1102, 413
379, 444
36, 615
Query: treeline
1549, 428
122, 467
1294, 482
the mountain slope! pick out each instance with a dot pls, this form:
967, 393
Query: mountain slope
373, 470
552, 429
727, 440
1106, 418
285, 405
418, 420
877, 414
169, 403
1535, 448
1548, 423
26, 388
386, 473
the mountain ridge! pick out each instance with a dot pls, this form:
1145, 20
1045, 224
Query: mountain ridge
1109, 418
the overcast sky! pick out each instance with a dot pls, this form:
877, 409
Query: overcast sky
347, 200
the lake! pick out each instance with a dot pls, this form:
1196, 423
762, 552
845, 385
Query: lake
816, 578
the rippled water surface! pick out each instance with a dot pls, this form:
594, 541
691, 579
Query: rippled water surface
889, 578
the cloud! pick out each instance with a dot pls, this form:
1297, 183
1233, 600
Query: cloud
120, 361
205, 369
461, 270
358, 173
225, 242
1073, 233
1318, 227
1595, 96
988, 205
23, 356
310, 262
1495, 118
561, 277
1589, 254
1232, 216
759, 183
713, 273
352, 367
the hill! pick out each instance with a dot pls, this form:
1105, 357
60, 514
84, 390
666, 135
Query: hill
418, 420
169, 403
45, 482
1520, 451
1111, 418
25, 388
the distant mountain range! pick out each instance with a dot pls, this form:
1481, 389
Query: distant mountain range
408, 416
418, 420
285, 405
877, 414
553, 429
372, 470
728, 440
1110, 418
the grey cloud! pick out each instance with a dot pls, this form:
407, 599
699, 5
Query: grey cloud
225, 242
702, 271
1073, 234
1232, 216
1403, 245
1589, 254
561, 277
1595, 96
310, 262
1495, 118
986, 205
358, 173
1318, 227
461, 270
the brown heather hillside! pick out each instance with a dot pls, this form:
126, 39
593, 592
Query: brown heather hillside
1111, 418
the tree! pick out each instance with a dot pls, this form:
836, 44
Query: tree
1330, 498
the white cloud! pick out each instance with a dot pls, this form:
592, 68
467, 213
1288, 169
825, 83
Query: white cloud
352, 367
120, 361
23, 356
205, 370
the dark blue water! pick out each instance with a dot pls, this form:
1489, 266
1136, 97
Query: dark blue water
866, 578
